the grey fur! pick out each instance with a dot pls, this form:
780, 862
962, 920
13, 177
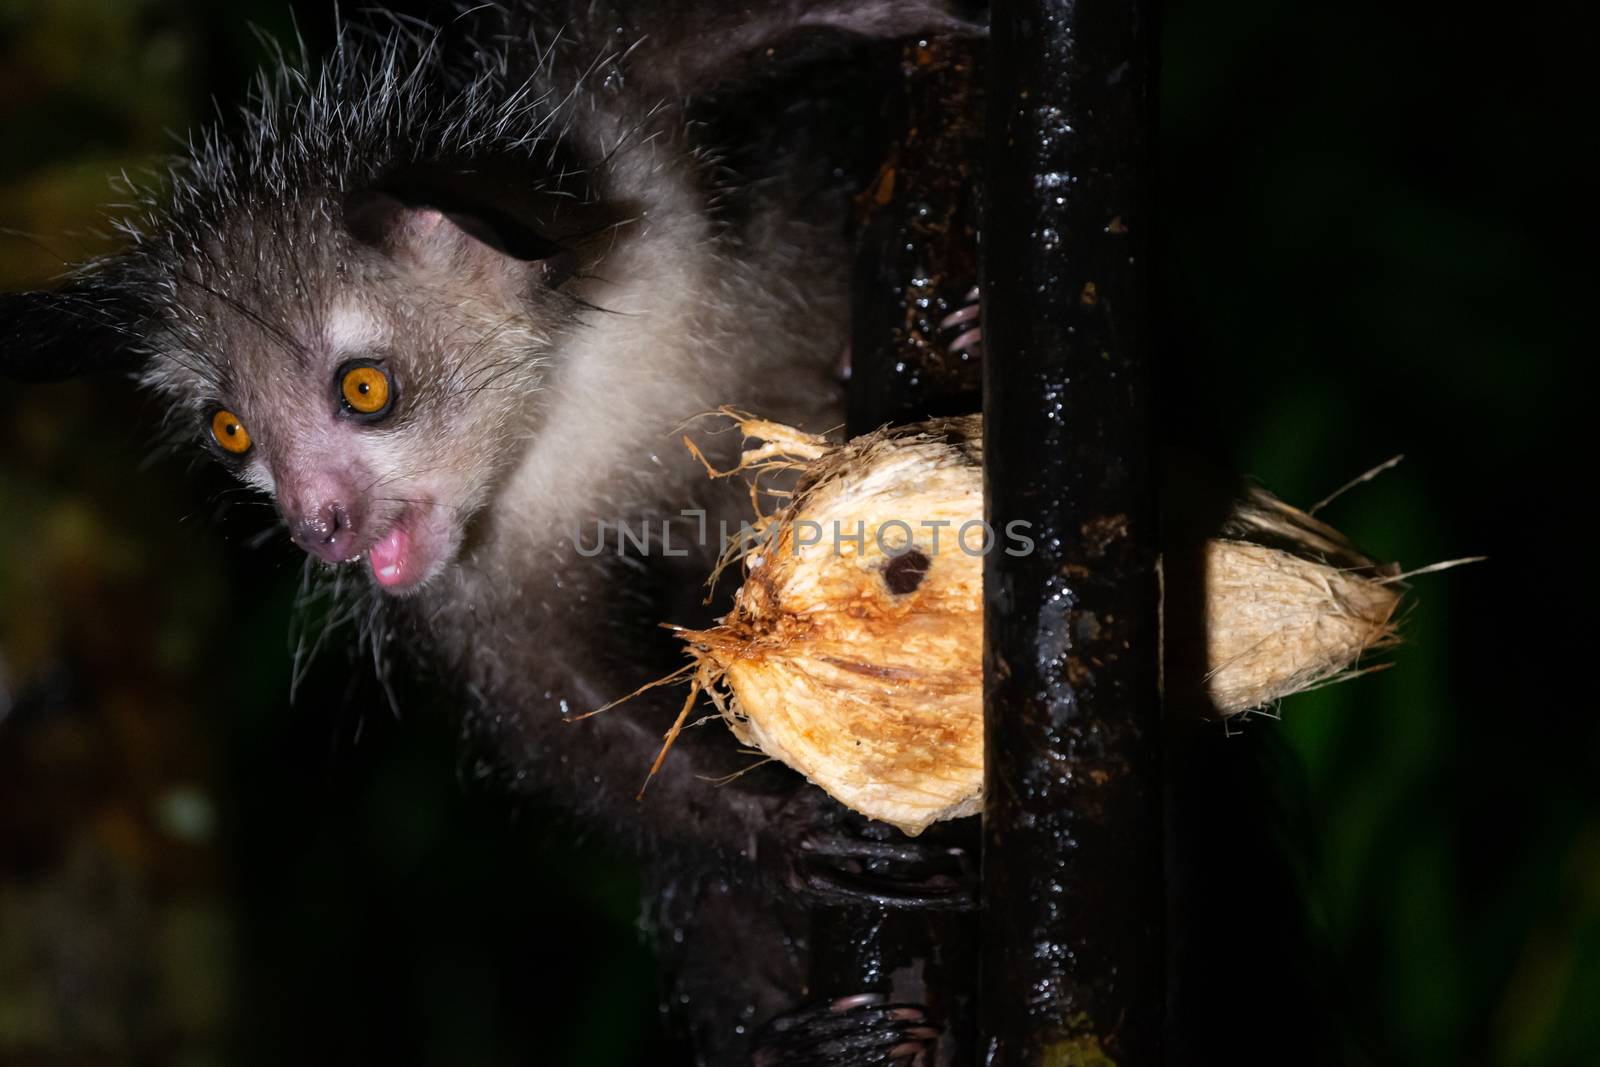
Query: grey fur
527, 411
348, 219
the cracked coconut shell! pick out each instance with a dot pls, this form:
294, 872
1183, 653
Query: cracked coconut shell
855, 657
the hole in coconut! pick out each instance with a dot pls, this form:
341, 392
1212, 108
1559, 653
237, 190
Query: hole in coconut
905, 572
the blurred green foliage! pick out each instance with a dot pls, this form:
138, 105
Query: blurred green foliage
1366, 251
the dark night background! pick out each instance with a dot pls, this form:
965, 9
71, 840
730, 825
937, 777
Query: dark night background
1369, 250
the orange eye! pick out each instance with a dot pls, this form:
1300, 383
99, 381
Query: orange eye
230, 433
365, 389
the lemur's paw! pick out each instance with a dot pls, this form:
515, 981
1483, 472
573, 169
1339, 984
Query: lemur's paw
821, 851
856, 1031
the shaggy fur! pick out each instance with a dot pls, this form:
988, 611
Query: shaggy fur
529, 412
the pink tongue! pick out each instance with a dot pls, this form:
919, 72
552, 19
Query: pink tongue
388, 557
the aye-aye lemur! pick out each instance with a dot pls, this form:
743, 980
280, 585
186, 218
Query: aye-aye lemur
446, 300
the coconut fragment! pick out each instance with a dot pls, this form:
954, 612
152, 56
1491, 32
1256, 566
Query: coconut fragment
1290, 605
853, 649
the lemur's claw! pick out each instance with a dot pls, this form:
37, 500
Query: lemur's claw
967, 326
863, 1030
847, 869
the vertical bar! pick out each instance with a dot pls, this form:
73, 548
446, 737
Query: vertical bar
1073, 955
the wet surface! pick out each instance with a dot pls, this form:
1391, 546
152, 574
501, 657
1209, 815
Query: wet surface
915, 353
1073, 951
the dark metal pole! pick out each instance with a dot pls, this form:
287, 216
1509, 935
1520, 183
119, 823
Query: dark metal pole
1073, 956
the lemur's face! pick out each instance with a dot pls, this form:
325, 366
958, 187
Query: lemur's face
373, 367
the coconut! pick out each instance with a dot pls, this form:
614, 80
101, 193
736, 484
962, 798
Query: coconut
853, 651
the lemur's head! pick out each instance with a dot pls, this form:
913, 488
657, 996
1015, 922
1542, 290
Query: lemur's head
354, 305
354, 299
373, 364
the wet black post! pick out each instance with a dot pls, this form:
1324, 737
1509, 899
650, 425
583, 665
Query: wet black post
1072, 881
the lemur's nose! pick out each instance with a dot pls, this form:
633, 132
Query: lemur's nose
326, 533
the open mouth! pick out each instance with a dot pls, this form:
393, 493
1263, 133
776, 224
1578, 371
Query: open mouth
402, 558
391, 558
412, 544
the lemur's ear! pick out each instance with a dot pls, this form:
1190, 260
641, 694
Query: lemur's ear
695, 48
895, 18
448, 239
79, 329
